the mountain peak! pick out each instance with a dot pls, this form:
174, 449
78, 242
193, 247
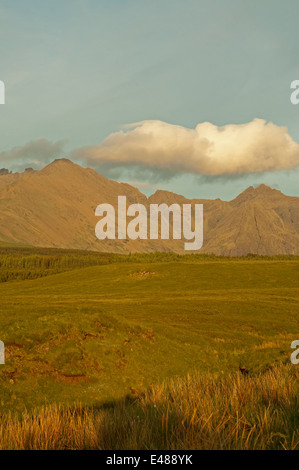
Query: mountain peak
257, 191
262, 188
58, 165
59, 161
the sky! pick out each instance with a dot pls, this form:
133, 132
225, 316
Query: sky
190, 96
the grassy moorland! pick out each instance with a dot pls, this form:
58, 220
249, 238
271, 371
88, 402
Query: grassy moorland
197, 412
107, 331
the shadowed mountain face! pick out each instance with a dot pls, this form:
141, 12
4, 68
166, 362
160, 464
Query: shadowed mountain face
55, 207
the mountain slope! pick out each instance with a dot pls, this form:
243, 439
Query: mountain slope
55, 207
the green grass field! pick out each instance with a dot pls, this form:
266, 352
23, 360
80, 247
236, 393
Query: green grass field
92, 329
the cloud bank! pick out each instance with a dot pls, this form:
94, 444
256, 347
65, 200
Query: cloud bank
162, 148
35, 153
156, 150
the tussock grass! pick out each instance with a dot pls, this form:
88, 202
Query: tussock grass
196, 412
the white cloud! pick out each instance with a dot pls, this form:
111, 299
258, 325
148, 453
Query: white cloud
255, 147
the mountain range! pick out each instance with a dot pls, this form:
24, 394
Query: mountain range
55, 207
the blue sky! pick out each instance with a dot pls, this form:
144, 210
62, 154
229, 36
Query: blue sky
78, 71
